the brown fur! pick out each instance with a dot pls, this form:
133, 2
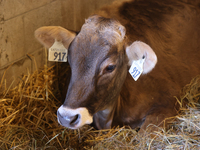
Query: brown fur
171, 28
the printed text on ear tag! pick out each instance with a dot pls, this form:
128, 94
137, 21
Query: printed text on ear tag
136, 68
57, 52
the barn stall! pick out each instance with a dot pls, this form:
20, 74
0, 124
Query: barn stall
30, 88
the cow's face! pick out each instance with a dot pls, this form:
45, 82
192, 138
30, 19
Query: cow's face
99, 62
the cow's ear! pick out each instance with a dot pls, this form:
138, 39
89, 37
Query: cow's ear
139, 50
48, 34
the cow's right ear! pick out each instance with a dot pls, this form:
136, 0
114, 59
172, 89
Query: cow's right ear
48, 34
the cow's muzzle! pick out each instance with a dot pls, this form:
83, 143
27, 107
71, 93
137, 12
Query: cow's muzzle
73, 118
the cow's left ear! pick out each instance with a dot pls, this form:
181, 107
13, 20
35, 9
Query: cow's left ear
139, 50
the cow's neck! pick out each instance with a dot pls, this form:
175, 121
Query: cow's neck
103, 119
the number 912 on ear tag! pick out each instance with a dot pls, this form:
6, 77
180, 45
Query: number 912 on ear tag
57, 52
136, 68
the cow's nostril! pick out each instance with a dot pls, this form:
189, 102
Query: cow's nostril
75, 120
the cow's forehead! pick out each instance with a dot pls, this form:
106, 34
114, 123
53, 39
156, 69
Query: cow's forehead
96, 40
97, 35
90, 46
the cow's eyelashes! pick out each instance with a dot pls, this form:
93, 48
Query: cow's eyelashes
109, 68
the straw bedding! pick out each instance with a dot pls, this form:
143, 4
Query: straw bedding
28, 120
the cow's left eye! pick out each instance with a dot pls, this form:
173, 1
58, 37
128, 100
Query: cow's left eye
110, 68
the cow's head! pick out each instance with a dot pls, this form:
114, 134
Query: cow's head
99, 58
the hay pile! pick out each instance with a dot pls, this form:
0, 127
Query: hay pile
28, 120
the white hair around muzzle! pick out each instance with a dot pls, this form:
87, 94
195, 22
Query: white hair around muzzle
74, 118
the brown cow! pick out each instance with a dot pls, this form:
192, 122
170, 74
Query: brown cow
101, 90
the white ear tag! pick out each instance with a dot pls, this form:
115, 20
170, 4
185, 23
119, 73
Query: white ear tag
136, 68
57, 52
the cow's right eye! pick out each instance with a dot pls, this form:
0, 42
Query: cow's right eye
110, 68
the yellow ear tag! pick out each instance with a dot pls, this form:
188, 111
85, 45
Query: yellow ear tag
57, 52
